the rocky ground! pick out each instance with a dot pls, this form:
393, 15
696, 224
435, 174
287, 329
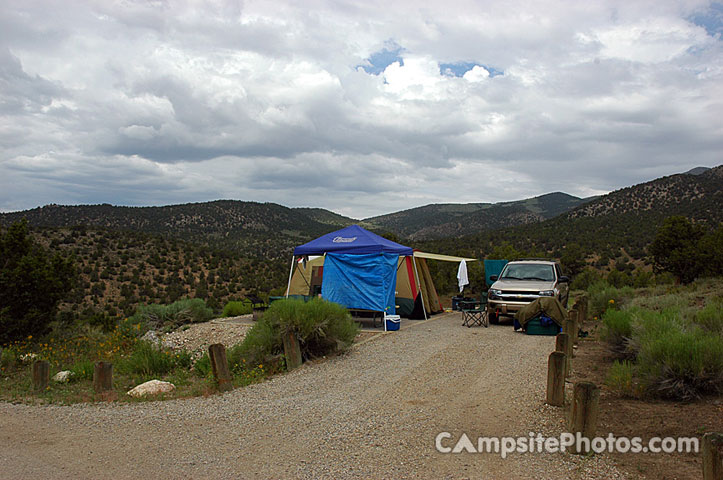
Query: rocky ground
373, 412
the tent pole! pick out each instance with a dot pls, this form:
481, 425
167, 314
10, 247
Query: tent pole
419, 285
291, 273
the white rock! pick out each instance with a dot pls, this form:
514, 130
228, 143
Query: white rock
151, 387
150, 336
62, 377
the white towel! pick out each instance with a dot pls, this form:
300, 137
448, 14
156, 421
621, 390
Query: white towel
462, 275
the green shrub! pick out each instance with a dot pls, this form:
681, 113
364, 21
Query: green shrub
620, 378
710, 318
322, 328
8, 359
604, 296
147, 359
584, 279
237, 308
83, 370
202, 367
617, 329
681, 364
174, 315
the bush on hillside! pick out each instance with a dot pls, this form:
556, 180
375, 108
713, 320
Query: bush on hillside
584, 279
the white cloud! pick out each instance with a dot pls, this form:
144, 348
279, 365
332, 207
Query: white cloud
153, 102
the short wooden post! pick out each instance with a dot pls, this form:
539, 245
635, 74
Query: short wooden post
292, 351
713, 456
556, 379
41, 375
562, 344
103, 377
219, 367
574, 330
583, 418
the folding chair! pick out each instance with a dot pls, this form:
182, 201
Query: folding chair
475, 313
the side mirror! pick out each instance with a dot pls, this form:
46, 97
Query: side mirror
493, 278
564, 279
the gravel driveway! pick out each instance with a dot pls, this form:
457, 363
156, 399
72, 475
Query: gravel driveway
373, 412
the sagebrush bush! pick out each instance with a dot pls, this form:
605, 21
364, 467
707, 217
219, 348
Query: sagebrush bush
237, 308
174, 315
681, 364
603, 296
322, 328
618, 329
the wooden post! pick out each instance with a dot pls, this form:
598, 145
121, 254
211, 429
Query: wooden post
713, 456
292, 351
219, 367
574, 329
102, 377
583, 418
556, 379
562, 344
41, 375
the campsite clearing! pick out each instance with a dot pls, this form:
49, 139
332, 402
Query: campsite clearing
373, 412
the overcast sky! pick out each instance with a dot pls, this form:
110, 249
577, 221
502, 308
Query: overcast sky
362, 108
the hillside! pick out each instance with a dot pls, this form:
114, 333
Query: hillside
119, 270
449, 220
254, 230
619, 225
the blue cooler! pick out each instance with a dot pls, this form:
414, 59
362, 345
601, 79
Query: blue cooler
392, 322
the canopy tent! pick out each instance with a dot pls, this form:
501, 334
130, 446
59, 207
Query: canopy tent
416, 295
358, 270
353, 240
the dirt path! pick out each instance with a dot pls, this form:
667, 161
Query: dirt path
371, 413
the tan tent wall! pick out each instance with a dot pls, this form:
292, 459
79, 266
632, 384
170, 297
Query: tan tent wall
429, 292
301, 278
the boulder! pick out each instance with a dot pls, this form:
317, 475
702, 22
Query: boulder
62, 377
151, 387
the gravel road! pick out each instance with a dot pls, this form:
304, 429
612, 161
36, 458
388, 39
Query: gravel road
373, 412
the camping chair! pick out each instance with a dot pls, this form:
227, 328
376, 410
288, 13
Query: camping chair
475, 313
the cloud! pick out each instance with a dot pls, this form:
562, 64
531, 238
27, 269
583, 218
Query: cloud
362, 108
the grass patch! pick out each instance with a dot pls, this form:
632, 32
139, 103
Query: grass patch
620, 378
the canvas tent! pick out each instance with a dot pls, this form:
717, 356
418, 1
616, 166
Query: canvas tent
415, 297
359, 268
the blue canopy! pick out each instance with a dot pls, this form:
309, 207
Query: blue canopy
361, 281
352, 240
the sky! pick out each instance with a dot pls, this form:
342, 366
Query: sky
362, 108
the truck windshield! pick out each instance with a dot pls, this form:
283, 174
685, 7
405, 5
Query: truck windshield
543, 273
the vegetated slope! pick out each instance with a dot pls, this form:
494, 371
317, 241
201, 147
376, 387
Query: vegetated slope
118, 270
253, 230
327, 217
624, 219
454, 219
